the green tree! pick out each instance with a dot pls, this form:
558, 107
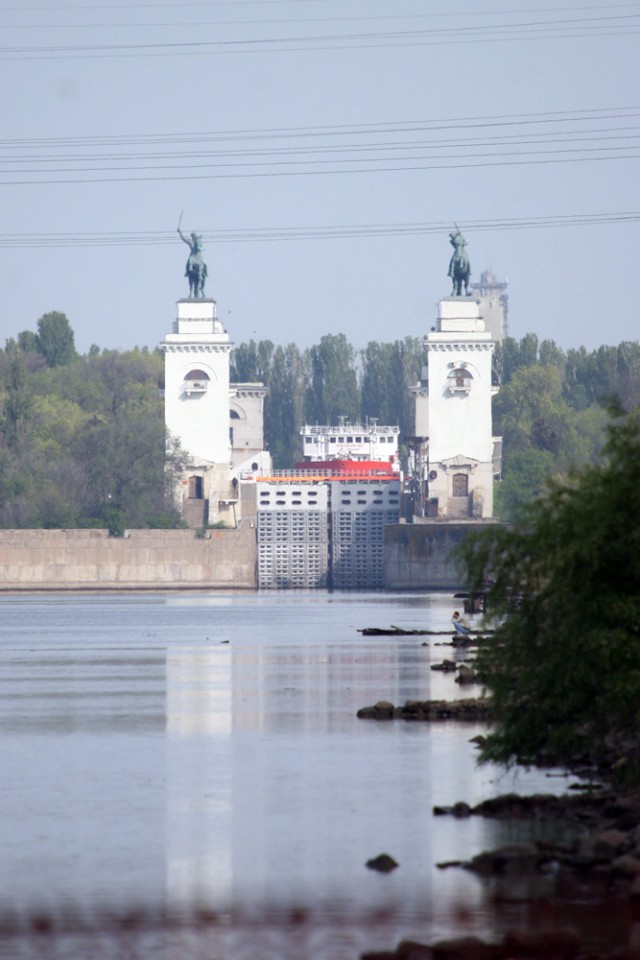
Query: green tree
84, 444
511, 355
550, 355
333, 389
388, 371
28, 341
563, 668
284, 406
55, 339
531, 412
17, 403
251, 362
525, 475
123, 461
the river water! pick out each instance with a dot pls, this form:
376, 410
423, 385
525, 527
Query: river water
203, 749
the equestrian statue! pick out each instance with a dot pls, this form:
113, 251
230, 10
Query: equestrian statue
459, 266
196, 269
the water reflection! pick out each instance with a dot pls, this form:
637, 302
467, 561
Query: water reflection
206, 749
199, 789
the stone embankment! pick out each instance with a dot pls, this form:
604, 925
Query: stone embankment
71, 560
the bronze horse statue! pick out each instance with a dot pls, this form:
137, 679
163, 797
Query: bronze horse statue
196, 269
459, 266
196, 272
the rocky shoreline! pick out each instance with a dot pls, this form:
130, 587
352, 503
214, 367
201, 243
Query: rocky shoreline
595, 865
599, 854
471, 709
595, 861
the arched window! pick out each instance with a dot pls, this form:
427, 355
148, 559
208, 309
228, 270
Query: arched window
460, 485
196, 381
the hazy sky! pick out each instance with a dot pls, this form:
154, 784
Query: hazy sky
324, 148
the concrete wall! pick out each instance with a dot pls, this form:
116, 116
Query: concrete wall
144, 560
418, 556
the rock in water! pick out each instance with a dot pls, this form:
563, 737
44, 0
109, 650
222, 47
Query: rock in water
383, 862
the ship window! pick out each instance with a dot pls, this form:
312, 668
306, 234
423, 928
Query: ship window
358, 439
349, 439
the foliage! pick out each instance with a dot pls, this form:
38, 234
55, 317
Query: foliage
17, 402
546, 424
388, 370
332, 391
84, 444
55, 339
328, 381
524, 478
564, 667
284, 408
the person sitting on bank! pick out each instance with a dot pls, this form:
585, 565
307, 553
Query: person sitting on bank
461, 626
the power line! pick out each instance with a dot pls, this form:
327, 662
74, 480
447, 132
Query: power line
597, 137
395, 126
400, 167
450, 143
293, 233
569, 28
264, 3
395, 17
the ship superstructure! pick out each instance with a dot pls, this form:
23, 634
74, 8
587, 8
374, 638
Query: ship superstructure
351, 442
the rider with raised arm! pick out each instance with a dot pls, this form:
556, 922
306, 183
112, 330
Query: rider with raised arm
196, 268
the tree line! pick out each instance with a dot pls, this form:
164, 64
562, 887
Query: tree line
82, 437
551, 408
326, 381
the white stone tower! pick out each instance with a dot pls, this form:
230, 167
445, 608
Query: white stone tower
196, 403
454, 411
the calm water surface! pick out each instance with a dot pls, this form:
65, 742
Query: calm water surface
205, 749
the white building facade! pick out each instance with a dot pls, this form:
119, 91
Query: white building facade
453, 413
219, 425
